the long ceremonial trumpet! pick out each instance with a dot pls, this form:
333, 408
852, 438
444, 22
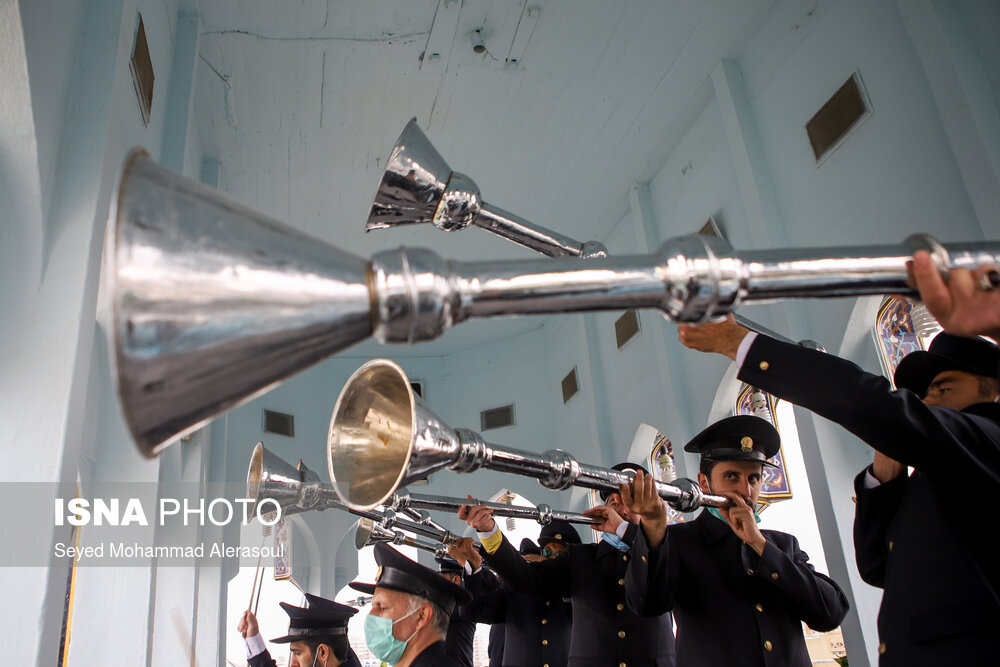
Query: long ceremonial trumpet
299, 489
383, 436
543, 514
215, 303
418, 186
370, 533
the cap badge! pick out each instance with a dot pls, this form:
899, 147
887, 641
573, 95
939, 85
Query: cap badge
558, 536
746, 443
378, 574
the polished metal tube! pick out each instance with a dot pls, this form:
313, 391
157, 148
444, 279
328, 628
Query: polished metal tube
691, 279
421, 517
534, 237
370, 533
543, 514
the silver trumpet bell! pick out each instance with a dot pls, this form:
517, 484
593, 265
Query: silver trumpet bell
369, 533
295, 488
299, 489
418, 186
215, 303
382, 436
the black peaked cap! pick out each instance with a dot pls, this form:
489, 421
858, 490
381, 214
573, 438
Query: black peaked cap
398, 573
947, 352
739, 438
322, 618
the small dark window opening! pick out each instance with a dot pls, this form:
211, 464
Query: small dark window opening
279, 422
834, 120
141, 66
626, 327
418, 388
570, 386
497, 417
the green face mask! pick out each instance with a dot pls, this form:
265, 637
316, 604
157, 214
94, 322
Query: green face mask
714, 511
378, 636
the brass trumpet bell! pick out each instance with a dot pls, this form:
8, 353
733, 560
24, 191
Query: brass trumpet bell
383, 436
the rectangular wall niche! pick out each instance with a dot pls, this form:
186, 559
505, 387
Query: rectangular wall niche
279, 422
497, 417
570, 385
141, 66
626, 327
835, 119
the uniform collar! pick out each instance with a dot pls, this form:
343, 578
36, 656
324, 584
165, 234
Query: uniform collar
989, 409
431, 655
712, 528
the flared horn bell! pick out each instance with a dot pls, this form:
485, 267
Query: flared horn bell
368, 533
383, 437
215, 303
270, 476
419, 186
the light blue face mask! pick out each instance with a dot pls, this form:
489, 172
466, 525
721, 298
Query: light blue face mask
378, 637
615, 541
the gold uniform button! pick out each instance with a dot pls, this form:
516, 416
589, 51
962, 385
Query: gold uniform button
548, 603
544, 621
881, 648
545, 642
759, 607
625, 558
768, 645
890, 545
764, 365
750, 571
621, 634
621, 664
643, 559
774, 575
621, 582
620, 606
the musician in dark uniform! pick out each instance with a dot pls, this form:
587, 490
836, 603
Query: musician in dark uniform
529, 619
913, 537
411, 608
317, 635
739, 594
605, 631
462, 628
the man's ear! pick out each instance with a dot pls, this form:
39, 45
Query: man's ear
703, 482
323, 653
425, 615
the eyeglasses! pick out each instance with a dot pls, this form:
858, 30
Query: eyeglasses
549, 553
